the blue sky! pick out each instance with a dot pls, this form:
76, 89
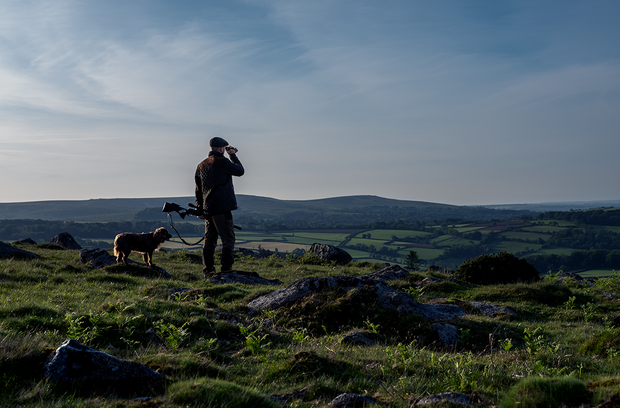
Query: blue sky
451, 101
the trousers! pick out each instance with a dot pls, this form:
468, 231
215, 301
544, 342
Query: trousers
220, 225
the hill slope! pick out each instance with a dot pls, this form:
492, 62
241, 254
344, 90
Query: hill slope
355, 209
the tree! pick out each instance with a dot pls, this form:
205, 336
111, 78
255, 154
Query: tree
412, 261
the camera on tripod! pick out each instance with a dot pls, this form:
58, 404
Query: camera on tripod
183, 212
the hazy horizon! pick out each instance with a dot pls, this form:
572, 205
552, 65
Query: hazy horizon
453, 102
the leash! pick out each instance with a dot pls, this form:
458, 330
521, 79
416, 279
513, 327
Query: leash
179, 235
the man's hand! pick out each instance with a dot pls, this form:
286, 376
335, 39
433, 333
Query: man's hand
231, 150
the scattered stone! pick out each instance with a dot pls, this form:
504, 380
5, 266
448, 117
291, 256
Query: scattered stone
27, 241
453, 397
577, 278
74, 363
357, 339
9, 251
100, 258
491, 310
330, 253
448, 334
611, 295
387, 297
245, 278
178, 291
65, 240
289, 397
405, 304
388, 273
350, 400
431, 279
97, 257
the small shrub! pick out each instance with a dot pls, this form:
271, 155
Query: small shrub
537, 392
497, 268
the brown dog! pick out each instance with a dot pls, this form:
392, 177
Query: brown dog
145, 243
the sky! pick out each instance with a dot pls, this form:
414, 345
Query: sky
458, 102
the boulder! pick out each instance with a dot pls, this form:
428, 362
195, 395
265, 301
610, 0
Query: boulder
245, 278
387, 297
9, 251
76, 364
65, 240
450, 397
351, 400
491, 310
27, 241
357, 339
448, 334
330, 253
99, 258
387, 274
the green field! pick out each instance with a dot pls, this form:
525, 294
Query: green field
389, 245
559, 337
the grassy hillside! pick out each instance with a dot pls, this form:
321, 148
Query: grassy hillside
355, 209
215, 354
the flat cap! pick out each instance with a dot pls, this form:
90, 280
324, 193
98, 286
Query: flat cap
218, 142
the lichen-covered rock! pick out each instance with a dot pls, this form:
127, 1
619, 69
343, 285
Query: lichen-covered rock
351, 400
388, 273
448, 334
76, 364
97, 257
65, 240
245, 278
302, 288
27, 241
492, 310
100, 258
330, 253
9, 251
452, 397
386, 297
357, 339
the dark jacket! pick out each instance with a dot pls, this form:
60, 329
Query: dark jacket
214, 187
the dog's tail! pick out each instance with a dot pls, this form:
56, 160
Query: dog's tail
116, 252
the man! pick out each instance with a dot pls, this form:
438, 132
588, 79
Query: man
216, 196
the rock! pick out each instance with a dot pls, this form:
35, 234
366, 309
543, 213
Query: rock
300, 289
65, 240
491, 310
609, 294
9, 251
452, 397
387, 274
350, 400
357, 339
74, 363
99, 258
448, 334
405, 304
245, 278
289, 397
27, 241
330, 253
387, 296
577, 278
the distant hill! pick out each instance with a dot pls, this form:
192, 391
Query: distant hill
348, 209
329, 211
557, 206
